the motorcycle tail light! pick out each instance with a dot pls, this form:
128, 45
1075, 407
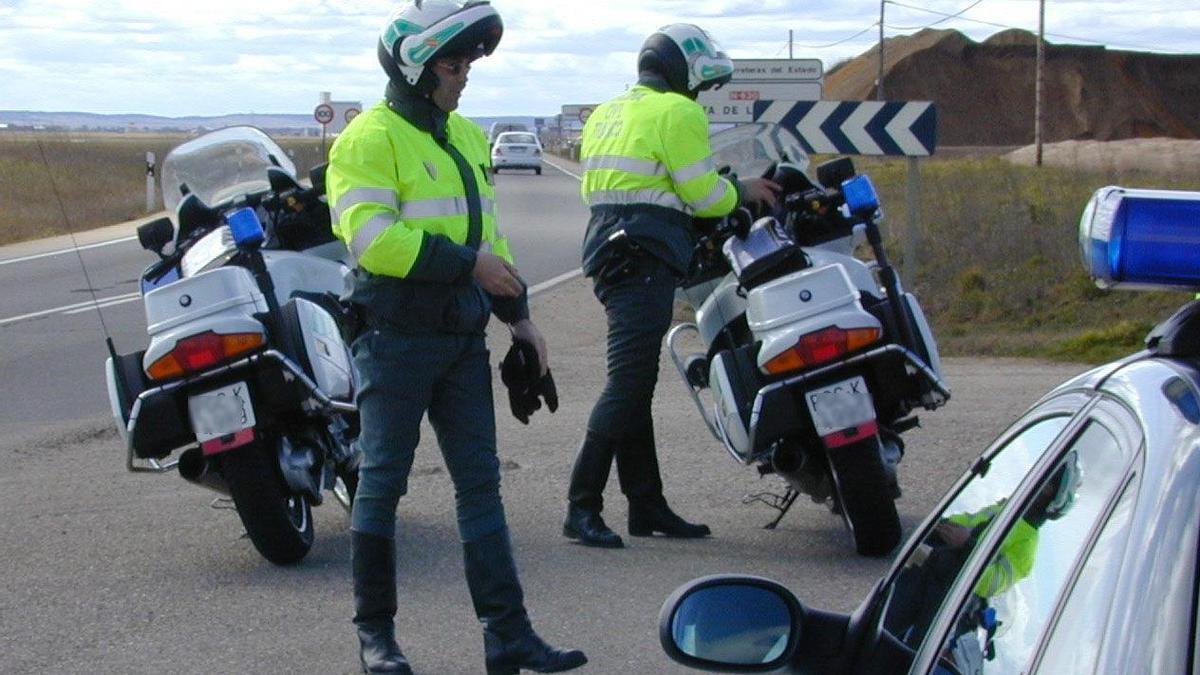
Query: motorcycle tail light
823, 346
199, 352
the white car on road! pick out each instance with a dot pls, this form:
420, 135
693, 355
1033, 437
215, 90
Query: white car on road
517, 150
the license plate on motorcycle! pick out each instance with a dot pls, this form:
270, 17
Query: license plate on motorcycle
221, 412
840, 407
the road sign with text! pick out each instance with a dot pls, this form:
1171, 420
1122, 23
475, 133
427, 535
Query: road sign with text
899, 128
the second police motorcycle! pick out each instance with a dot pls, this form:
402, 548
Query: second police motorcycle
247, 370
812, 359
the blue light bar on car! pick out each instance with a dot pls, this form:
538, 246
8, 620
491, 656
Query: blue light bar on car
1142, 239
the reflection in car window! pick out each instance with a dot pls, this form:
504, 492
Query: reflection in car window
919, 590
999, 626
517, 138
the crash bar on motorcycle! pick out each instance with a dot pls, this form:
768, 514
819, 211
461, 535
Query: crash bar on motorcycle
153, 465
680, 366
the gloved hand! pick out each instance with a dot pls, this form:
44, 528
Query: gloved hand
520, 371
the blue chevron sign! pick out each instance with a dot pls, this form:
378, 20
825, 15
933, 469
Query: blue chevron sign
905, 128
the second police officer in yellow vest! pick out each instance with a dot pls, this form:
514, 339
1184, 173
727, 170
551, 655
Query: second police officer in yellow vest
409, 191
648, 171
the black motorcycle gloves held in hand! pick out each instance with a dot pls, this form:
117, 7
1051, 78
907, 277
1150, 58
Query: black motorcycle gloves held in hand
521, 373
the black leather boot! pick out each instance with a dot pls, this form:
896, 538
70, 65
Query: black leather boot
589, 529
641, 481
647, 516
586, 494
374, 564
509, 643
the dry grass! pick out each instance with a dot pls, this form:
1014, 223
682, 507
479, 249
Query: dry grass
100, 177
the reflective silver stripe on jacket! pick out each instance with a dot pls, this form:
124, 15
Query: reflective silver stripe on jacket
369, 232
622, 197
444, 206
375, 196
716, 195
695, 170
641, 167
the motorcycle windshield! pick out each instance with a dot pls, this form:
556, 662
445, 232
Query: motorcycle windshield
221, 166
752, 150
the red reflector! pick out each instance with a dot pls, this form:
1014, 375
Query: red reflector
199, 351
851, 435
228, 442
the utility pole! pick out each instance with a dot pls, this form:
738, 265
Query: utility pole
790, 42
1039, 93
879, 85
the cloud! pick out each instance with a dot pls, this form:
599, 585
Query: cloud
221, 56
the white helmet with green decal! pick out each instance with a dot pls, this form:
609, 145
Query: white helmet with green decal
686, 57
422, 30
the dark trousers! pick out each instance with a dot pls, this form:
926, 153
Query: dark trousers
402, 377
638, 299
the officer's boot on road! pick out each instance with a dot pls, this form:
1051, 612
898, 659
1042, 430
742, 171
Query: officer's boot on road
374, 564
509, 643
641, 482
586, 494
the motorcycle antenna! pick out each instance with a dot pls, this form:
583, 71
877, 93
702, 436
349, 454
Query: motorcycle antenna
75, 247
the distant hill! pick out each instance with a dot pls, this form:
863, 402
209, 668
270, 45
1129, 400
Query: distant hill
985, 91
277, 123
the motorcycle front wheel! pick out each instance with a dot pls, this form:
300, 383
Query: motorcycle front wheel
866, 493
278, 523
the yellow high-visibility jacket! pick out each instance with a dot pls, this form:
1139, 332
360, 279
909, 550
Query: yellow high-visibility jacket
648, 169
410, 196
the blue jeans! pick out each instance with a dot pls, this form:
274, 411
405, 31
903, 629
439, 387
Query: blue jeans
403, 376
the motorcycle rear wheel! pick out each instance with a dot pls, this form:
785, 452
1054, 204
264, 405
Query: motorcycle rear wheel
278, 523
865, 491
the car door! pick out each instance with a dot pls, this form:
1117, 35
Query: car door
1070, 513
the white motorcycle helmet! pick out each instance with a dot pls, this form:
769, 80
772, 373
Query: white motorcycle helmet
687, 58
417, 32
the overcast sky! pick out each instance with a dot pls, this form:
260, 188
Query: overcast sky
212, 57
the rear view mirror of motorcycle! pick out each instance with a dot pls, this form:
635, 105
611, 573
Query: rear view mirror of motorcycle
739, 222
246, 228
833, 173
317, 176
156, 234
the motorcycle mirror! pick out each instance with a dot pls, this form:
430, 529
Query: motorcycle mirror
280, 180
156, 234
731, 622
833, 173
791, 179
317, 176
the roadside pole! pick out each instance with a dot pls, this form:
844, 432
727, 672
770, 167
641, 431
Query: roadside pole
912, 228
151, 199
323, 114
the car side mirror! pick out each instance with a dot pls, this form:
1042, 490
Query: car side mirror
731, 623
156, 234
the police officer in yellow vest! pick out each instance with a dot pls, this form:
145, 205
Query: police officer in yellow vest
648, 170
408, 186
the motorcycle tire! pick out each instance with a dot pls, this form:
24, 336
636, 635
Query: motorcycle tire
866, 496
278, 523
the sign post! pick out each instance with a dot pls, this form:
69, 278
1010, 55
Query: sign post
323, 114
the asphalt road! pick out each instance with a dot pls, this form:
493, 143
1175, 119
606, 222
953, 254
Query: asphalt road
112, 572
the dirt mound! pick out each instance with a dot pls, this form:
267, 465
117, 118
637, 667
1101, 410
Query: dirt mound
1156, 155
985, 91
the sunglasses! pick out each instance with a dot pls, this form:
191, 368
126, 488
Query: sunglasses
454, 66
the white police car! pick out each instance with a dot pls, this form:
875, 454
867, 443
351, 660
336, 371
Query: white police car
1071, 544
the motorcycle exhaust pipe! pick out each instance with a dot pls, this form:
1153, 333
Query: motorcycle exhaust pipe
194, 467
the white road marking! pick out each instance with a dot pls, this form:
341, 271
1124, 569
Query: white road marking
79, 306
48, 254
105, 303
572, 175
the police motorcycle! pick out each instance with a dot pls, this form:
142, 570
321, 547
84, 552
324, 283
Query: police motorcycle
813, 360
246, 369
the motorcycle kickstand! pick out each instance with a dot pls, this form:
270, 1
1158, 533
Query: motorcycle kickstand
781, 503
222, 503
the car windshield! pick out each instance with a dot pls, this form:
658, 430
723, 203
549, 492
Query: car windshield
221, 166
752, 149
529, 139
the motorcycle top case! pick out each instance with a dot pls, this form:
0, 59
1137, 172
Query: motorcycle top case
223, 299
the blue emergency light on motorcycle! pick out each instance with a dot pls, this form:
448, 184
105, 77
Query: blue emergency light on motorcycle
1142, 239
860, 194
245, 226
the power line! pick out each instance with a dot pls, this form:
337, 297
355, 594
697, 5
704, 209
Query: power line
843, 40
945, 17
1001, 25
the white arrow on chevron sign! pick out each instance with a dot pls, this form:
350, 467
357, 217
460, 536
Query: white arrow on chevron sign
855, 127
900, 129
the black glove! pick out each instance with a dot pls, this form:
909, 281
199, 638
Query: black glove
521, 373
